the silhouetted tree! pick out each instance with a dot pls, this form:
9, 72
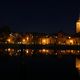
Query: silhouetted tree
5, 29
4, 32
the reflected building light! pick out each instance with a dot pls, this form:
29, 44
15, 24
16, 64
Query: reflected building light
9, 49
16, 54
44, 51
56, 53
10, 54
67, 51
63, 51
78, 64
72, 51
5, 49
27, 51
19, 50
19, 42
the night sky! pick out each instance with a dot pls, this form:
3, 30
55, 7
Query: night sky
40, 16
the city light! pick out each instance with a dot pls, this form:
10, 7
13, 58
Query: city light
9, 40
71, 41
43, 43
23, 41
69, 37
27, 38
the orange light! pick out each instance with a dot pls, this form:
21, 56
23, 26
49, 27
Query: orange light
45, 50
69, 37
23, 40
9, 49
44, 41
9, 40
71, 41
27, 51
27, 38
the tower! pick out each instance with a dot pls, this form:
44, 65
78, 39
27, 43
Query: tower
78, 25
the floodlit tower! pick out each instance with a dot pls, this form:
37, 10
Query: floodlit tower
78, 25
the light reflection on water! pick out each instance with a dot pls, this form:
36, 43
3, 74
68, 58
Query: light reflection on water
11, 51
29, 52
78, 64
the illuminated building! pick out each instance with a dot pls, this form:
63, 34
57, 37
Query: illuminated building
71, 41
45, 40
27, 39
10, 39
78, 25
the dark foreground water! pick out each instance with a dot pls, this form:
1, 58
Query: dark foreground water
38, 67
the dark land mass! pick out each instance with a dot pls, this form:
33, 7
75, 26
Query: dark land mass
39, 67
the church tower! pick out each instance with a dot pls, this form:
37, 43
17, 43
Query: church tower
78, 25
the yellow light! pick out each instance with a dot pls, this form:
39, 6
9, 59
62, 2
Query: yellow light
23, 40
27, 38
44, 41
78, 26
9, 49
69, 37
43, 50
27, 51
71, 41
9, 40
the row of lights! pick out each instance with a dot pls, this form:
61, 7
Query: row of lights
43, 41
42, 51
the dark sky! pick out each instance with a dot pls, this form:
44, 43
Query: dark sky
40, 16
